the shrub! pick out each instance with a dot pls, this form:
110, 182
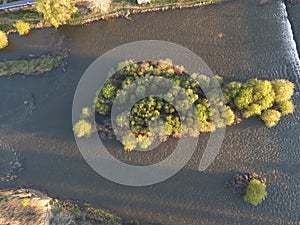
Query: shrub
255, 192
286, 107
271, 117
82, 128
23, 28
85, 113
3, 40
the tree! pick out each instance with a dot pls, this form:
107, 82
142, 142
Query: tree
56, 12
129, 141
82, 128
108, 91
271, 117
3, 40
23, 28
286, 107
102, 6
284, 90
230, 116
255, 192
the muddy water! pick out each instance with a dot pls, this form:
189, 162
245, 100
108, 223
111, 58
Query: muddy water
238, 40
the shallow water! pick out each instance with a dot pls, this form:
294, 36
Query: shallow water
256, 42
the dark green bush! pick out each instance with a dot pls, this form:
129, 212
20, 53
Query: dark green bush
255, 192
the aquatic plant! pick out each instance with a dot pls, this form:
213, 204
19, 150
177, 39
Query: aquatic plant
3, 40
255, 192
23, 28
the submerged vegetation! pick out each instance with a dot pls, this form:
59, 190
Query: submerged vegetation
186, 95
37, 66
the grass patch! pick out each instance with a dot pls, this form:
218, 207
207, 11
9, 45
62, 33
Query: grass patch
23, 14
31, 67
66, 212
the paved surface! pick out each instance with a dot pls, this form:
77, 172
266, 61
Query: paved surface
11, 5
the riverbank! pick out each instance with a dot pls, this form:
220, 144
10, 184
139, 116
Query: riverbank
31, 207
84, 16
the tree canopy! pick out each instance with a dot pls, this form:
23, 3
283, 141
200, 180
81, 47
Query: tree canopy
23, 28
174, 110
56, 12
3, 40
255, 192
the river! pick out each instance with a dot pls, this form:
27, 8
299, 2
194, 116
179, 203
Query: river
239, 39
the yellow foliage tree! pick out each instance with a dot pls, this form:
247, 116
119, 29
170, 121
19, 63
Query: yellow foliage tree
56, 12
3, 40
23, 28
82, 128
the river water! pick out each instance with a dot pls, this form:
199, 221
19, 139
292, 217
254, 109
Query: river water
239, 40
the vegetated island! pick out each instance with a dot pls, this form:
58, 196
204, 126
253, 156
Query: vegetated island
31, 207
36, 66
267, 100
250, 186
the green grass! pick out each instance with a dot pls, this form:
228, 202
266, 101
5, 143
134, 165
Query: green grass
31, 67
23, 14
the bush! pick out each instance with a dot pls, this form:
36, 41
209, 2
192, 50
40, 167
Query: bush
286, 107
3, 40
22, 27
271, 117
82, 128
255, 192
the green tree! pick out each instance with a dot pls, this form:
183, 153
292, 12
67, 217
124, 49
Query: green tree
286, 107
109, 91
3, 40
82, 128
56, 12
23, 28
255, 192
271, 117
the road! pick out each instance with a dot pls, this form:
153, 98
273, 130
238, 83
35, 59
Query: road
11, 5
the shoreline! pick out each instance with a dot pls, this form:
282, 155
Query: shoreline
121, 12
33, 207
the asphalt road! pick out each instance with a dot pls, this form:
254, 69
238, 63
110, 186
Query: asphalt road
6, 5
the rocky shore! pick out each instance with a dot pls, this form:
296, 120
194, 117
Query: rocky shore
240, 181
31, 207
